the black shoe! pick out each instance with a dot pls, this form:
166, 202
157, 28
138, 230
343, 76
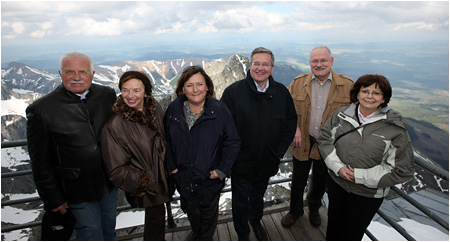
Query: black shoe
190, 236
260, 232
314, 218
243, 238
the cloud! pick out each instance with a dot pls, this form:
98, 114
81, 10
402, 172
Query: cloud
18, 27
363, 19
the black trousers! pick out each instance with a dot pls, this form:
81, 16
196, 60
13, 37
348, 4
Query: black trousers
349, 214
155, 223
299, 180
203, 219
247, 204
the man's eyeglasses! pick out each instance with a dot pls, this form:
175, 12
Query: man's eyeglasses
197, 68
258, 64
374, 93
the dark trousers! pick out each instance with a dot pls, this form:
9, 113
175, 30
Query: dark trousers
203, 219
299, 180
155, 223
349, 214
247, 203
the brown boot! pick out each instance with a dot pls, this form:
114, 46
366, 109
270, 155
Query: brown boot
288, 220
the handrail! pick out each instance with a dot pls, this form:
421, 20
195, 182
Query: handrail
419, 158
422, 208
396, 226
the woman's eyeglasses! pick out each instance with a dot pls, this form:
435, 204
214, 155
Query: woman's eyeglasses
197, 68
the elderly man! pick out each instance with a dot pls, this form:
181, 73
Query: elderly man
63, 130
265, 118
316, 96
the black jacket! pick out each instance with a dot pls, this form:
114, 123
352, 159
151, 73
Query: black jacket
63, 135
212, 143
266, 123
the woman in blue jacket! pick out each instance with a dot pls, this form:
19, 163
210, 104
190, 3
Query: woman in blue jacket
202, 145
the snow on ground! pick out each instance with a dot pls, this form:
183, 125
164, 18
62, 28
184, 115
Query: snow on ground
12, 157
14, 106
130, 219
418, 231
17, 235
18, 216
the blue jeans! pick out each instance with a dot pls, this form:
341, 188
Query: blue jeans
96, 221
247, 204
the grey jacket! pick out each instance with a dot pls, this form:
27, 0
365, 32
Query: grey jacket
380, 152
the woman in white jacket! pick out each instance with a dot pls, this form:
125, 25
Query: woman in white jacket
367, 149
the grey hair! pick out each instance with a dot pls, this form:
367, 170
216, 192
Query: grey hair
79, 55
320, 47
263, 50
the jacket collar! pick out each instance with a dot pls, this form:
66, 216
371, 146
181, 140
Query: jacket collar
74, 96
208, 109
385, 114
271, 90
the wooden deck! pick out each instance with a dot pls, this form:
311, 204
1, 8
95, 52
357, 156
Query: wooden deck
301, 230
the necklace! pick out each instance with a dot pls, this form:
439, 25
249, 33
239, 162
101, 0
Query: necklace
196, 114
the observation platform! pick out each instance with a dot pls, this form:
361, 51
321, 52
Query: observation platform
301, 230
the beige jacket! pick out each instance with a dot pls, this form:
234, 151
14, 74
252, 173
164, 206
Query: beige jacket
300, 90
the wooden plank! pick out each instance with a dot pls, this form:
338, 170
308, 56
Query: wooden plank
216, 236
169, 237
286, 234
271, 229
232, 231
301, 230
222, 232
181, 235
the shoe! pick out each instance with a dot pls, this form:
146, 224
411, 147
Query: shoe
288, 220
314, 218
243, 238
260, 232
190, 236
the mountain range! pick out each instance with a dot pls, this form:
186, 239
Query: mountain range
22, 84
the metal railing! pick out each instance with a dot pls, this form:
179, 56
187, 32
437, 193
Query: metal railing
419, 159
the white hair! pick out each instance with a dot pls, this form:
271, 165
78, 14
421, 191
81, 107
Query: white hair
79, 55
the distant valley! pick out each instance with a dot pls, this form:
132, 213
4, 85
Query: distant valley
21, 84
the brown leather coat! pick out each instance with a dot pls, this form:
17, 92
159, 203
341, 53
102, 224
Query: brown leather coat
134, 156
300, 90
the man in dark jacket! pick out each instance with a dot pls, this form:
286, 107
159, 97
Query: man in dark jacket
63, 133
265, 118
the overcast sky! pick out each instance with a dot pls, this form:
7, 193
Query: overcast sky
45, 26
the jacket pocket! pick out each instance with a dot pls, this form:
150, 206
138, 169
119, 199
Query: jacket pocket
68, 173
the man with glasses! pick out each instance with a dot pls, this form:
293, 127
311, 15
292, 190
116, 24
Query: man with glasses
265, 118
316, 96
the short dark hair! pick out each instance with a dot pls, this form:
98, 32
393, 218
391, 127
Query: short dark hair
263, 50
187, 73
138, 75
368, 80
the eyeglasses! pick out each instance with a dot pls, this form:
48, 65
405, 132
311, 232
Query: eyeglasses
258, 64
374, 93
315, 62
197, 68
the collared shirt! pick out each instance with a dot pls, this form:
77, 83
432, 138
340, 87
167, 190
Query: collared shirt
190, 116
319, 96
258, 88
83, 96
363, 119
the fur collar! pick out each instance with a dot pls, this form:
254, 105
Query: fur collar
147, 117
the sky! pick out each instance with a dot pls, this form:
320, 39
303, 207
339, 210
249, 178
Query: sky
36, 29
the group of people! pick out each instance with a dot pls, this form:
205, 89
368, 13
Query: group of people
85, 143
